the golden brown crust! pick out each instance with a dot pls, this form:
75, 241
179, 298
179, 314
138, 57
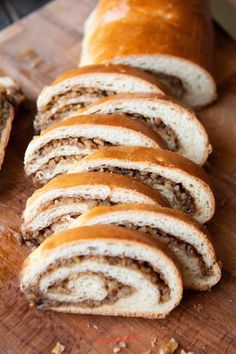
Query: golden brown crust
96, 178
153, 156
154, 102
108, 233
174, 213
114, 120
152, 97
110, 69
99, 232
182, 29
179, 216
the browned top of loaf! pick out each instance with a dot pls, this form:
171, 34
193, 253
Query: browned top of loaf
104, 232
173, 27
142, 96
111, 69
113, 181
129, 208
150, 156
115, 120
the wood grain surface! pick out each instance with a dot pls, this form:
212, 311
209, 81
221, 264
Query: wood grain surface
34, 51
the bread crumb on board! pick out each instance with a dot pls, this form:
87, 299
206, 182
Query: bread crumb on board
169, 347
222, 203
198, 307
58, 349
119, 346
153, 341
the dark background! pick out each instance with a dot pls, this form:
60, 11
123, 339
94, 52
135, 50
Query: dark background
12, 10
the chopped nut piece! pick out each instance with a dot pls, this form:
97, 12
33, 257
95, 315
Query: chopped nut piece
122, 344
198, 307
18, 237
153, 341
169, 347
58, 349
184, 352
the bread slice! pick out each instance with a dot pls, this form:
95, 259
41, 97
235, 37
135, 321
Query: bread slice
178, 126
183, 183
53, 207
11, 89
64, 143
185, 237
10, 98
6, 118
81, 86
102, 270
172, 40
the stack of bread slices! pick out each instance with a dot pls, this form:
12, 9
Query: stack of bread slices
118, 220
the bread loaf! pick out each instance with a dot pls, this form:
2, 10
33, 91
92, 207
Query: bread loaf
171, 38
11, 97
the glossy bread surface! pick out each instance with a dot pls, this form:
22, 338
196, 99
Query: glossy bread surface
170, 27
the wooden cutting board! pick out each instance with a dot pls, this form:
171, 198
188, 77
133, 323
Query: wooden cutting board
34, 51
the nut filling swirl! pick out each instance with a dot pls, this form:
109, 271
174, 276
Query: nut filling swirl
165, 132
81, 97
5, 111
84, 144
111, 290
173, 84
34, 238
80, 142
173, 243
175, 193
